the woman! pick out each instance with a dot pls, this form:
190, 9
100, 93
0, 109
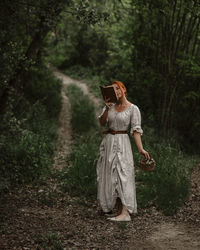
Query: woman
115, 166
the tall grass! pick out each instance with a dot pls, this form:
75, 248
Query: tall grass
83, 111
28, 129
48, 240
87, 75
166, 188
80, 179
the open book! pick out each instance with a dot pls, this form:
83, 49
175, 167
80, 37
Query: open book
108, 93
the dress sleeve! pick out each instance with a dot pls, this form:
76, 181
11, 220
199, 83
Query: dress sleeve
104, 108
136, 121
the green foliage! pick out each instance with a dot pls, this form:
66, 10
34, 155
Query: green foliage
23, 28
48, 241
83, 112
168, 186
28, 113
156, 66
80, 179
87, 75
29, 97
42, 86
122, 226
85, 46
28, 132
151, 46
79, 72
47, 198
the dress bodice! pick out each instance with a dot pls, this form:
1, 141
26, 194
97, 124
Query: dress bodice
129, 118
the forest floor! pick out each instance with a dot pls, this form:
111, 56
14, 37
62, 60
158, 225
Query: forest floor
40, 216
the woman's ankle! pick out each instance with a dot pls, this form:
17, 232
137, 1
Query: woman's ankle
125, 211
123, 215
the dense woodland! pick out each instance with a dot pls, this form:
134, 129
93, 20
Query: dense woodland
153, 47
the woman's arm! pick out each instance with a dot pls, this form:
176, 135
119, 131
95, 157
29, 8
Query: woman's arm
103, 118
138, 142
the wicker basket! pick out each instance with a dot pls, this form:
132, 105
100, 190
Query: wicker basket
147, 165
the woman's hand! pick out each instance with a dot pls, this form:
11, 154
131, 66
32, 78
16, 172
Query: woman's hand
145, 154
103, 117
138, 141
107, 103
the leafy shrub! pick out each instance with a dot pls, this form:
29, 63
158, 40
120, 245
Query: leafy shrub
83, 112
80, 179
87, 75
168, 186
79, 72
49, 240
41, 85
28, 132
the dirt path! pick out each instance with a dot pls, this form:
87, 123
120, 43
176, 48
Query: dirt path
171, 235
65, 132
41, 217
67, 81
181, 231
165, 235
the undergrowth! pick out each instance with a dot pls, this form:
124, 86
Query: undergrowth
83, 111
28, 129
87, 75
48, 240
80, 179
166, 188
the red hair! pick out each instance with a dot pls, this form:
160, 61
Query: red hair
121, 86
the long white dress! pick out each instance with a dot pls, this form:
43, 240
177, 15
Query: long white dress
115, 166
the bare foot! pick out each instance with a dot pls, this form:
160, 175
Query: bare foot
121, 217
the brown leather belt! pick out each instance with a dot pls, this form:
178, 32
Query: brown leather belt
113, 132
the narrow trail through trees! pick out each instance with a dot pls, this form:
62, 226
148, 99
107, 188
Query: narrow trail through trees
83, 86
165, 235
35, 217
65, 131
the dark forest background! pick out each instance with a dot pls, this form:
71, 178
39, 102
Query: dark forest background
153, 47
